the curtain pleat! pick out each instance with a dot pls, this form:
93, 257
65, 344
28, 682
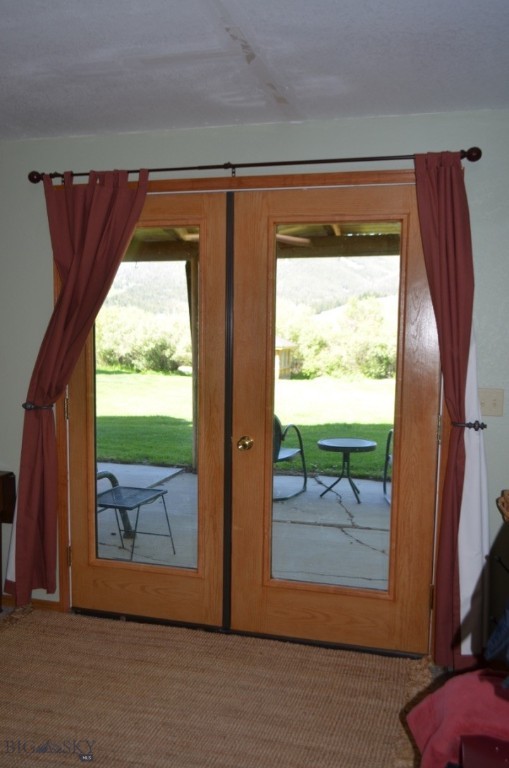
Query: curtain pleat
90, 226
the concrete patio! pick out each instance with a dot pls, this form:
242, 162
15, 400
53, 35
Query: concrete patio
329, 540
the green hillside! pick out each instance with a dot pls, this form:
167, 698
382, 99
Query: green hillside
320, 283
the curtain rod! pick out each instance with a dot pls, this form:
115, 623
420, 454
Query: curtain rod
473, 155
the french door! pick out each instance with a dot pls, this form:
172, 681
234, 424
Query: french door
239, 578
191, 592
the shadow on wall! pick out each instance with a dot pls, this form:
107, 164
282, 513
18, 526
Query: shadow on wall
494, 580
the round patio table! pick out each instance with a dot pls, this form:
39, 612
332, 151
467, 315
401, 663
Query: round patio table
346, 446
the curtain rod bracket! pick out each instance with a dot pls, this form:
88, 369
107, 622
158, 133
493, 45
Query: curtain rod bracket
473, 155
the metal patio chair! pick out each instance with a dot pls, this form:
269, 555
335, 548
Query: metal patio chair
288, 453
387, 479
122, 499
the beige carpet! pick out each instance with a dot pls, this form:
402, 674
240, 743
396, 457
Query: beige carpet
80, 689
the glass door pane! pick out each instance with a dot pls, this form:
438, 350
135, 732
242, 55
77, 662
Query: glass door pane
146, 380
337, 307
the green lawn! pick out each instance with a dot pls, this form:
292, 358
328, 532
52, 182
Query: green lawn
146, 418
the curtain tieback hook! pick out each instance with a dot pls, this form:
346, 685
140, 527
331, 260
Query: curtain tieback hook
477, 425
28, 406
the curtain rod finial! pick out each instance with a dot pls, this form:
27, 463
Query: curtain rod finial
473, 154
35, 177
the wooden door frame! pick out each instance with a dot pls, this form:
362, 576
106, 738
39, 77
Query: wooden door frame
205, 185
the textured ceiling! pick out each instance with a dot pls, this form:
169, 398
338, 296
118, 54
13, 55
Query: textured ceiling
74, 67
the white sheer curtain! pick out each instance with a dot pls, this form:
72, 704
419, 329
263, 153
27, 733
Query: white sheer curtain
473, 532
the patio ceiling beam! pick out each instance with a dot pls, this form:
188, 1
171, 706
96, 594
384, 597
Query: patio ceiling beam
344, 245
161, 250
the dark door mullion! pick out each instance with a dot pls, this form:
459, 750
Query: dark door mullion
228, 414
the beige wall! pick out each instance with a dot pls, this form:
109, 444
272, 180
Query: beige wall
25, 258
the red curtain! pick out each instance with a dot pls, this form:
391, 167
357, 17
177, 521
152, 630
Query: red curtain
445, 231
91, 226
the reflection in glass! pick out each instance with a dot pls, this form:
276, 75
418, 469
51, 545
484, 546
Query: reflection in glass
337, 295
146, 339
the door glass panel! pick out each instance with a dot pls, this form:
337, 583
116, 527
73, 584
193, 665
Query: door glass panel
337, 297
146, 353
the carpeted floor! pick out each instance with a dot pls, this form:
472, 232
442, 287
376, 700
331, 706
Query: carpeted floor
80, 689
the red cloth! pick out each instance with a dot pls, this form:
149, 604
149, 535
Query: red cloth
470, 703
446, 241
91, 226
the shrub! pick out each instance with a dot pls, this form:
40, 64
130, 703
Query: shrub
141, 341
356, 339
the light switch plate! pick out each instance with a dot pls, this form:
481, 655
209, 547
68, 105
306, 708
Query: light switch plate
492, 402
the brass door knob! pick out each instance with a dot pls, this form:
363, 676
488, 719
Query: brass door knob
245, 443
